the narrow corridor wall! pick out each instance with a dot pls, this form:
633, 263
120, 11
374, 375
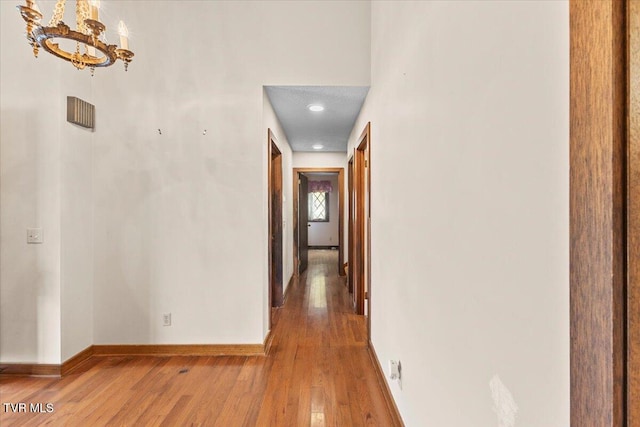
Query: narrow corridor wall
469, 105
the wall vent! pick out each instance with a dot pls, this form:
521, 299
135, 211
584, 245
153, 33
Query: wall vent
80, 112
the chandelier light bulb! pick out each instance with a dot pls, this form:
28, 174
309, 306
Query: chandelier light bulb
124, 35
95, 7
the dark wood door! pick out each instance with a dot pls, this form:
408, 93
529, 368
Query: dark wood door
276, 294
276, 236
303, 223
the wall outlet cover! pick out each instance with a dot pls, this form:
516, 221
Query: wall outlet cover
394, 369
166, 319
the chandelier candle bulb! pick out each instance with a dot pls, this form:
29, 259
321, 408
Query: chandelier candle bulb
95, 6
124, 35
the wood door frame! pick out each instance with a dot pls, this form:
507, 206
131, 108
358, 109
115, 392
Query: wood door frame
350, 226
296, 196
604, 187
274, 288
361, 248
633, 214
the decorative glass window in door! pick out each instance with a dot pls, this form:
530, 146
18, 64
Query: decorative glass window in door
319, 206
319, 201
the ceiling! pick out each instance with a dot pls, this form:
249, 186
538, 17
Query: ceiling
330, 128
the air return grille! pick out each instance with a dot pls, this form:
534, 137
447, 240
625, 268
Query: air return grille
80, 112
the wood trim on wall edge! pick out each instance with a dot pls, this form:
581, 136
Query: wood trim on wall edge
29, 369
286, 291
386, 391
268, 340
76, 361
179, 350
46, 369
165, 350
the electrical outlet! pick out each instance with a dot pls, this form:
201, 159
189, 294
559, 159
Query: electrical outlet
395, 371
166, 319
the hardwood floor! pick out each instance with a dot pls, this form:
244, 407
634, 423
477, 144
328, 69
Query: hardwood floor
317, 373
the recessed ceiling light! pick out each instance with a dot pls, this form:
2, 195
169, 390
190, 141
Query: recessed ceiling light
318, 146
315, 107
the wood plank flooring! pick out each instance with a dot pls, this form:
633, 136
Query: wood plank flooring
318, 373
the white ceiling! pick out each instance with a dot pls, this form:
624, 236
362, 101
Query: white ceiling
330, 127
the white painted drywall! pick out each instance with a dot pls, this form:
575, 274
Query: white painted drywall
469, 105
76, 220
326, 233
30, 121
46, 181
163, 223
320, 160
180, 218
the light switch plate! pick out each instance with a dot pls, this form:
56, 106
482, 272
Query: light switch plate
35, 235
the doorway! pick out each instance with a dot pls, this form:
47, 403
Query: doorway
301, 214
274, 159
360, 225
350, 261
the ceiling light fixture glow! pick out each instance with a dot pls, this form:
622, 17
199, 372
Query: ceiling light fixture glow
315, 108
318, 146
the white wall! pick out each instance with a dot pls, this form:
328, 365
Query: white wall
326, 233
76, 221
136, 223
469, 108
303, 159
46, 181
180, 218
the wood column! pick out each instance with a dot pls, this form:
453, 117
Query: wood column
633, 216
597, 212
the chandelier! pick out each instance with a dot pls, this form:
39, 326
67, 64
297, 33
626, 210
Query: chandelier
91, 48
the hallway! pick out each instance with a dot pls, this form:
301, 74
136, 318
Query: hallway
317, 373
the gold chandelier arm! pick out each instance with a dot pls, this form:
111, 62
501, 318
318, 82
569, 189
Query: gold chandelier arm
58, 13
